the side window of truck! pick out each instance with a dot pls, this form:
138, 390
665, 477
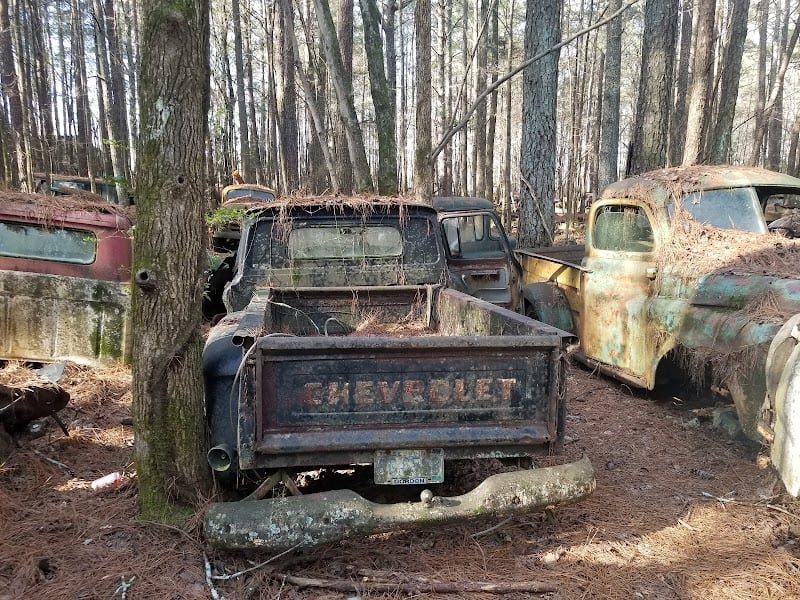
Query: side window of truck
623, 229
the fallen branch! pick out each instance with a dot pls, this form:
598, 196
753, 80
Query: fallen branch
420, 585
493, 528
69, 471
207, 570
253, 568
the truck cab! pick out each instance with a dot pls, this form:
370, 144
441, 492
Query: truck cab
679, 274
480, 256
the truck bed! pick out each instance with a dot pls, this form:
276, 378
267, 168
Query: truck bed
570, 255
480, 377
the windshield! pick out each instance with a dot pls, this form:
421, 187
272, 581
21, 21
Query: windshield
736, 208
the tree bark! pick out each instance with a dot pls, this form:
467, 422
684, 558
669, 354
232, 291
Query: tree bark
344, 30
491, 113
10, 86
702, 76
381, 99
246, 166
313, 108
677, 122
792, 159
507, 192
82, 114
775, 92
169, 256
648, 148
731, 66
538, 144
344, 97
423, 167
289, 134
479, 139
121, 140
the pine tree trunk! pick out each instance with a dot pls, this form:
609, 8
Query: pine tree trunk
491, 114
381, 99
702, 75
608, 166
479, 141
169, 256
677, 122
246, 168
287, 119
648, 148
538, 144
344, 97
423, 169
119, 113
82, 114
731, 66
9, 82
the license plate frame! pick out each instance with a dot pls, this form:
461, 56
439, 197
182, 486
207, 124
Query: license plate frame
409, 466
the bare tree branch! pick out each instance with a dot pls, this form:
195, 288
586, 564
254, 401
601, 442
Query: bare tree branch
449, 135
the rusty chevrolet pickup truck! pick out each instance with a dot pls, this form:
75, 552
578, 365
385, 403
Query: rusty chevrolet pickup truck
679, 275
343, 348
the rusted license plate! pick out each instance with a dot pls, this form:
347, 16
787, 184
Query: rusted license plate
409, 467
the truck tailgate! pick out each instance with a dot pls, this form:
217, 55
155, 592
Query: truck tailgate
346, 397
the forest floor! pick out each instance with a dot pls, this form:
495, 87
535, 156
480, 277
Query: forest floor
679, 512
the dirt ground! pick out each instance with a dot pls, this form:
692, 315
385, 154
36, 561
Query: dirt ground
679, 512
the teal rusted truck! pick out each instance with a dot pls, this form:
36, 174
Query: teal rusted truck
344, 348
679, 275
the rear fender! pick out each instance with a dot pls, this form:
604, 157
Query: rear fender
547, 303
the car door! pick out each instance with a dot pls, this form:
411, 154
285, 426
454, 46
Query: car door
616, 288
480, 258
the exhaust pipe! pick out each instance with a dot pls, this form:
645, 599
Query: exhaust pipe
220, 457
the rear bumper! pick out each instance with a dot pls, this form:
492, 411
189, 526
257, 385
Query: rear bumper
281, 524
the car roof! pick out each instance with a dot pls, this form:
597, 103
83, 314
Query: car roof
460, 203
662, 185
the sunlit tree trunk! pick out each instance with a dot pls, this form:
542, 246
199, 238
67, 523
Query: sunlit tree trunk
677, 122
538, 144
491, 114
9, 82
246, 167
169, 253
507, 191
381, 99
82, 115
479, 142
288, 103
648, 148
775, 91
702, 77
344, 97
608, 165
731, 67
423, 171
